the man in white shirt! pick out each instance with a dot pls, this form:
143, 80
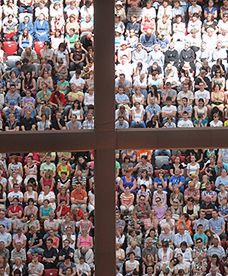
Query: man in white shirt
125, 68
185, 93
139, 54
83, 268
194, 8
47, 194
16, 193
202, 94
219, 52
185, 121
168, 110
77, 80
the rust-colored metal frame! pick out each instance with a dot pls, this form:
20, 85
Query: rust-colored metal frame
104, 139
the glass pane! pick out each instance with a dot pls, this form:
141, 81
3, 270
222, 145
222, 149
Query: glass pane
171, 64
171, 208
47, 213
47, 63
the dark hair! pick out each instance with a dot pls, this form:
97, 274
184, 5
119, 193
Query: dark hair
62, 45
17, 272
79, 104
1, 191
184, 243
48, 44
154, 91
30, 200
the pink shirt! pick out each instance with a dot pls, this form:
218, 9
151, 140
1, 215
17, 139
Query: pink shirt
85, 241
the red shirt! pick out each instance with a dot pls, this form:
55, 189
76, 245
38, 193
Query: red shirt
15, 209
65, 210
60, 96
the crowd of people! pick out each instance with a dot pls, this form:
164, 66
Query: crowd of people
171, 63
46, 65
47, 214
172, 212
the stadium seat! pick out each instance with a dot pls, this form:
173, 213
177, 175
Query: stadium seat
161, 161
51, 272
38, 46
10, 47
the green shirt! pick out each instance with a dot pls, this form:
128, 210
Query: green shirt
43, 96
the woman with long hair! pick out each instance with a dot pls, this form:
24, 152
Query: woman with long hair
30, 193
45, 78
29, 83
13, 79
77, 57
47, 52
44, 124
76, 110
25, 40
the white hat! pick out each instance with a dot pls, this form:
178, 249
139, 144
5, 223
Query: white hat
119, 3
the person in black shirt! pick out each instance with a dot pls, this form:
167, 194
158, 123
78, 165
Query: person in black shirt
187, 55
203, 78
28, 123
171, 55
154, 122
154, 68
87, 40
35, 242
57, 122
50, 254
66, 251
207, 206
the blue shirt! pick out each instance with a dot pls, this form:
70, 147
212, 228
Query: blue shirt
175, 180
148, 41
178, 239
121, 97
153, 109
221, 180
216, 225
202, 236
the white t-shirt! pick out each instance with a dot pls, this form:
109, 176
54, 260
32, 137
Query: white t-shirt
169, 109
49, 196
83, 268
183, 123
132, 265
202, 94
78, 82
216, 124
193, 169
15, 195
89, 99
195, 9
150, 13
224, 154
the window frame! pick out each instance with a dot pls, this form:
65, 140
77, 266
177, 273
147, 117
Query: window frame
104, 139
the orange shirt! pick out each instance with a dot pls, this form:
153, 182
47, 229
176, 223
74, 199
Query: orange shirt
148, 153
79, 195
